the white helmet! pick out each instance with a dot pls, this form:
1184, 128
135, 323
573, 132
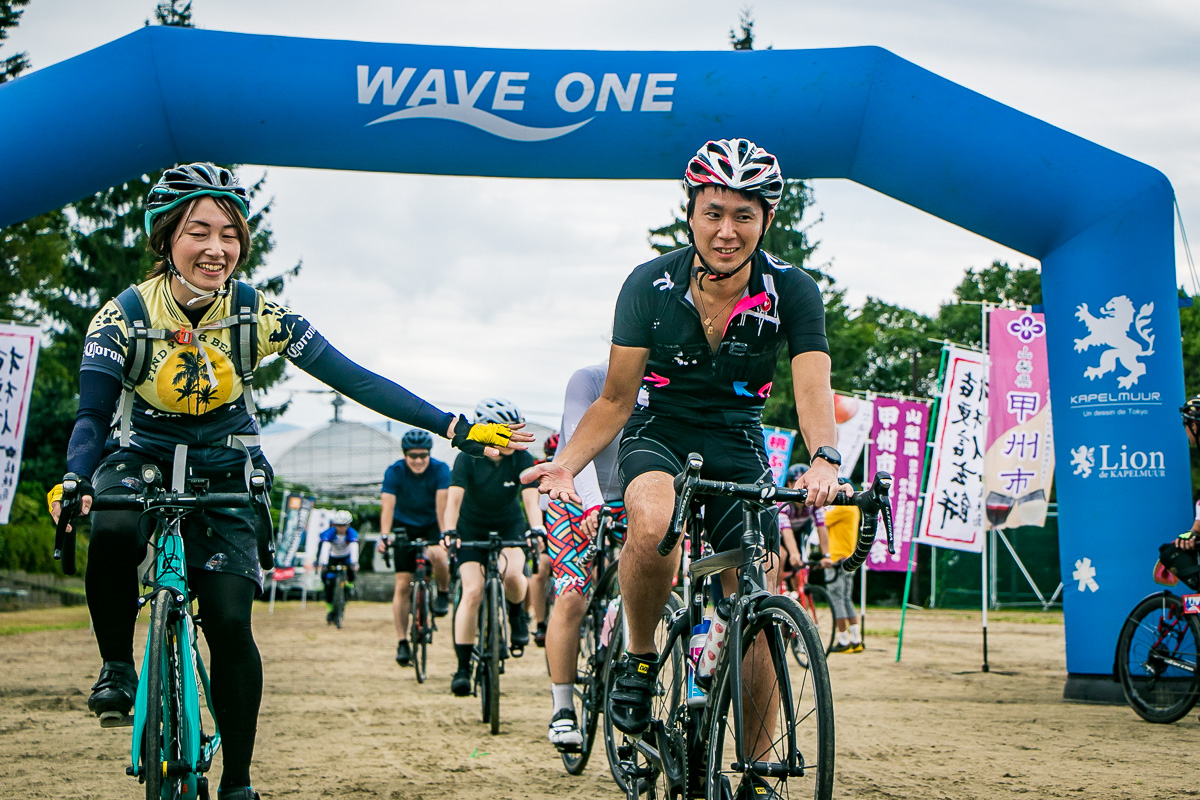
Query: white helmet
342, 517
497, 409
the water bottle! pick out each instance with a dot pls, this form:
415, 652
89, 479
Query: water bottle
696, 695
715, 641
610, 619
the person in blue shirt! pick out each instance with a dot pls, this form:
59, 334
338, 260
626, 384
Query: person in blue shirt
339, 545
413, 502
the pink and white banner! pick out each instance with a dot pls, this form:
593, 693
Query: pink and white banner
898, 435
18, 363
952, 515
1020, 452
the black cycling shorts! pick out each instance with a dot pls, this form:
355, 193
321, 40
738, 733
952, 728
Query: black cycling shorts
469, 533
405, 558
731, 453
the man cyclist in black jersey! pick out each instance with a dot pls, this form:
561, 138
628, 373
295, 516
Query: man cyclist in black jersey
695, 338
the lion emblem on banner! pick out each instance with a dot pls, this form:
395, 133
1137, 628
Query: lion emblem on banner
1111, 330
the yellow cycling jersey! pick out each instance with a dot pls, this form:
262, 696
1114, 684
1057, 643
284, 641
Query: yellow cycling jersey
192, 371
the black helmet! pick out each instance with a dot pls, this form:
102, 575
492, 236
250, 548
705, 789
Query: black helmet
191, 180
416, 439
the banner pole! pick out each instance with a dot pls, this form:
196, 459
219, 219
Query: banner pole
912, 548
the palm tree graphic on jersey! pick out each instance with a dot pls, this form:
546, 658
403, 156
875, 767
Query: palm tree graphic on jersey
197, 391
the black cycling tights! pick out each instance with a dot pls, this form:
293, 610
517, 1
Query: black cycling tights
225, 602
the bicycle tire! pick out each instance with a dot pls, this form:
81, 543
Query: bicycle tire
339, 599
160, 735
418, 632
589, 670
669, 697
1155, 640
495, 644
803, 708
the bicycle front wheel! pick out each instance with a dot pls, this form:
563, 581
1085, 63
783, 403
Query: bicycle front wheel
419, 628
624, 761
1157, 659
786, 726
161, 744
339, 600
495, 651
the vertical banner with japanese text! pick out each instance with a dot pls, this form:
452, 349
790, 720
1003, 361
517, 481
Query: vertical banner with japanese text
18, 362
1020, 446
292, 524
853, 417
953, 514
898, 434
779, 451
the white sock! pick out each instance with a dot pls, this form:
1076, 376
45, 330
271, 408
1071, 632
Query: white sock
562, 695
855, 635
843, 637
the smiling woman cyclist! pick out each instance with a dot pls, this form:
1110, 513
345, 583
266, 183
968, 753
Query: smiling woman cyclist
201, 335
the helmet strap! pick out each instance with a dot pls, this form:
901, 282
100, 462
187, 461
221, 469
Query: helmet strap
200, 293
707, 270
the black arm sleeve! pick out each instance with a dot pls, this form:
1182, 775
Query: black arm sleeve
98, 394
376, 392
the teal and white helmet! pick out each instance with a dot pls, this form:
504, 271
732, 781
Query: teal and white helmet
186, 181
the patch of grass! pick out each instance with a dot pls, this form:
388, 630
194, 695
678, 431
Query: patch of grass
13, 629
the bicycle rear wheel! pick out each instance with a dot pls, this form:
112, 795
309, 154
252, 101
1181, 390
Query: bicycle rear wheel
668, 697
818, 607
1157, 659
161, 744
419, 628
787, 714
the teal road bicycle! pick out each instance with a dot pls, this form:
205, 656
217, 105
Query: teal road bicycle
171, 750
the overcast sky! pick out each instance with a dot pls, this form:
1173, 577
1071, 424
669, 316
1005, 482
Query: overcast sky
461, 287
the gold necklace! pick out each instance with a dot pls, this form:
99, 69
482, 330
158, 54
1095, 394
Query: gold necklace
704, 307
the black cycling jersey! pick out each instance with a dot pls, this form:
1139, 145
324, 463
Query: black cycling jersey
492, 489
684, 378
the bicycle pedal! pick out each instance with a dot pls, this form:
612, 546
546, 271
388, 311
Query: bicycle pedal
115, 719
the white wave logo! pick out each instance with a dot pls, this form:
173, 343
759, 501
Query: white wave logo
483, 120
574, 93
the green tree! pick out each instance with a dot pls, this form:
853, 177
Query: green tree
105, 251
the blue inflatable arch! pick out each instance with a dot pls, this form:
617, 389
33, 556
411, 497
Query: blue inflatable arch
1101, 224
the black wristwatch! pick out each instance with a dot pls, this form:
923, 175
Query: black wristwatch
829, 454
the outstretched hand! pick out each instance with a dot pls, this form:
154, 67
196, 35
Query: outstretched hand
552, 479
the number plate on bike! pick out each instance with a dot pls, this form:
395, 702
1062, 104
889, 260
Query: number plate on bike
1191, 604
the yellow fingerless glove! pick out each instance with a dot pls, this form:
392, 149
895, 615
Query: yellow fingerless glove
490, 433
54, 496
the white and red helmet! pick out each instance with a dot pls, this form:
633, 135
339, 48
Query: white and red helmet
737, 164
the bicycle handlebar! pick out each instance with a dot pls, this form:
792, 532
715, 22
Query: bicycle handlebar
872, 502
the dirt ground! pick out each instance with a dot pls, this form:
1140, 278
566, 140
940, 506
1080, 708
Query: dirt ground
340, 719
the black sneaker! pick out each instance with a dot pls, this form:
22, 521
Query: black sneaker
240, 793
633, 689
403, 653
755, 788
460, 684
539, 636
114, 690
564, 730
520, 631
441, 604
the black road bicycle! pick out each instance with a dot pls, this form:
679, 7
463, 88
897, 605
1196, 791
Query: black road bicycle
491, 640
761, 723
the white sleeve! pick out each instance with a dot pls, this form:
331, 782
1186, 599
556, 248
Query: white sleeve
588, 487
